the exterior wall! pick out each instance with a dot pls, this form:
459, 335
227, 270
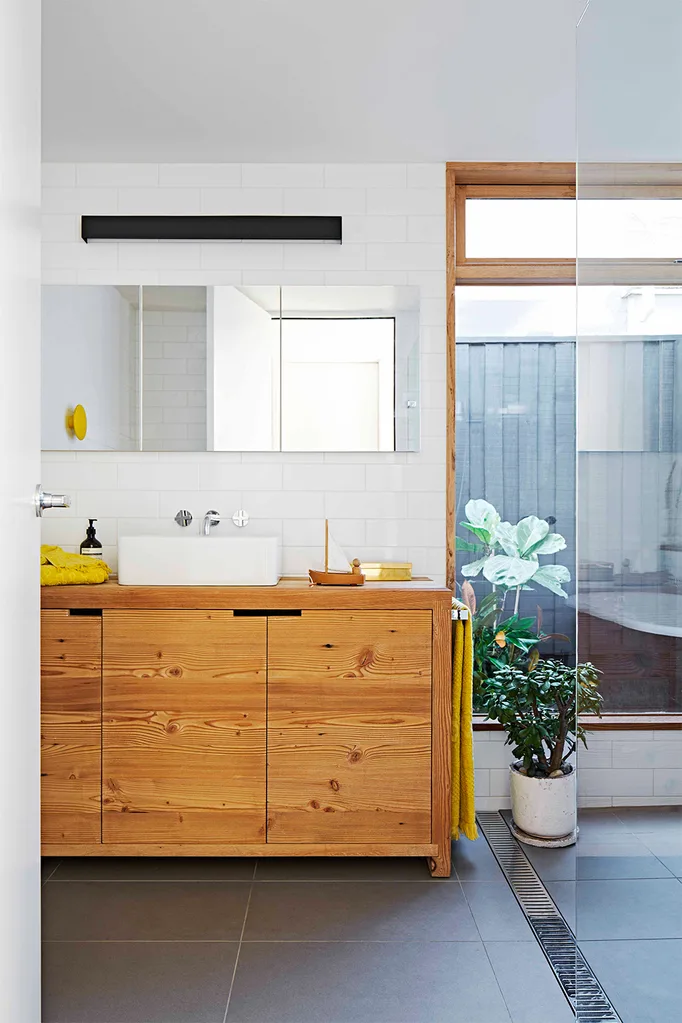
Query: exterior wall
388, 506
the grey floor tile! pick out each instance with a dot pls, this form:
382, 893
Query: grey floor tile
448, 982
650, 908
48, 865
342, 868
553, 864
143, 868
564, 895
601, 824
496, 912
667, 847
363, 911
592, 861
529, 987
155, 911
589, 861
640, 977
148, 982
473, 861
649, 819
615, 860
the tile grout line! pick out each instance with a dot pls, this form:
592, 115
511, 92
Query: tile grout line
50, 876
239, 947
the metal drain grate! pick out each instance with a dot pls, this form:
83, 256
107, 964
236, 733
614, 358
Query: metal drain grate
588, 998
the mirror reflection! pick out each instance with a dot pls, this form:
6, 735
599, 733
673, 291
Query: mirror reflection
231, 368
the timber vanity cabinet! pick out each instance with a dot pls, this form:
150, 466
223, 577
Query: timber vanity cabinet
288, 720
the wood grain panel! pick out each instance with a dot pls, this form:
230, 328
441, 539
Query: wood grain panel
513, 173
349, 736
71, 679
289, 593
183, 727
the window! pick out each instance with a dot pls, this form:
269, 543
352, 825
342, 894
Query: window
530, 352
498, 227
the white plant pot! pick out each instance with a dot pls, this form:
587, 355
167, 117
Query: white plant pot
544, 807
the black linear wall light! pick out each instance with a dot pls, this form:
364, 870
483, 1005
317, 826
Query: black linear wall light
205, 228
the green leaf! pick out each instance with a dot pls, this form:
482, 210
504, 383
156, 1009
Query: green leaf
467, 545
530, 532
551, 577
473, 568
505, 535
501, 570
482, 534
552, 543
481, 513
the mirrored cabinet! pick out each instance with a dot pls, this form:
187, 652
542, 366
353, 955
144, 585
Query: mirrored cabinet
230, 368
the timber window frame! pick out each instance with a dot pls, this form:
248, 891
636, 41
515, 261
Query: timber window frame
549, 180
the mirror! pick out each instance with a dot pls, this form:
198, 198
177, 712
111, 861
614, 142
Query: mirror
231, 368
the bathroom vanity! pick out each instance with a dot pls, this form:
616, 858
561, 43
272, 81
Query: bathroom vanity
247, 721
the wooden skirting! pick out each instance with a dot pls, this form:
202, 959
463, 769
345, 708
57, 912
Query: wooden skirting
280, 849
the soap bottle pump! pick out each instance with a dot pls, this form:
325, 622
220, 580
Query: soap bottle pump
91, 545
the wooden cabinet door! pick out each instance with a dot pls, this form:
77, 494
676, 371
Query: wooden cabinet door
183, 756
349, 727
71, 691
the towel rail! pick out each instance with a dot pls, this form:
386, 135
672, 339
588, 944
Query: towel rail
460, 614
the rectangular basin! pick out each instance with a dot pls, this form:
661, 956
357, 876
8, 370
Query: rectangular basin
199, 560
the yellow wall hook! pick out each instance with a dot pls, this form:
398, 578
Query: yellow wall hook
77, 422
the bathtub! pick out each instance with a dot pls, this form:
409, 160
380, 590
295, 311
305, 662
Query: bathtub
642, 610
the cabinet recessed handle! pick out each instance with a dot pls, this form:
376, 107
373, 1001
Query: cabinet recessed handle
265, 613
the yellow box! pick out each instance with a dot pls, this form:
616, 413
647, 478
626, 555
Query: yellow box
386, 571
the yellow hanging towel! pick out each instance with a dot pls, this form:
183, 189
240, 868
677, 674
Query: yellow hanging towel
59, 568
463, 812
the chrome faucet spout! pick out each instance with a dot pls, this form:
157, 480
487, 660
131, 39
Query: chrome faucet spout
211, 518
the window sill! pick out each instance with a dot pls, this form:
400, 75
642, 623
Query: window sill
608, 722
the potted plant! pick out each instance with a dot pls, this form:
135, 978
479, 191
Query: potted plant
509, 559
539, 711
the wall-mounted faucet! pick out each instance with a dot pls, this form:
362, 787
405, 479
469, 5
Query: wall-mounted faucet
212, 518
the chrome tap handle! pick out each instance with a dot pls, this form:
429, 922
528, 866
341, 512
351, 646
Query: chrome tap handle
42, 500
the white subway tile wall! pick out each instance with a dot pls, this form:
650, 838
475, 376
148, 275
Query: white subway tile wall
619, 768
388, 506
175, 379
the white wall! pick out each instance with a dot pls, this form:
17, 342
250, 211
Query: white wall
85, 359
619, 768
243, 373
19, 467
388, 506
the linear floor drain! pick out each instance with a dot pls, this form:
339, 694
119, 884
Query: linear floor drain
586, 995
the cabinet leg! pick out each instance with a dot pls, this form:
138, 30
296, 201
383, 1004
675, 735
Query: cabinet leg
440, 865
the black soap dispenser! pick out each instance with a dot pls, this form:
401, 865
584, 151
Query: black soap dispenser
91, 545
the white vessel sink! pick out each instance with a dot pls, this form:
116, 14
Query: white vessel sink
199, 560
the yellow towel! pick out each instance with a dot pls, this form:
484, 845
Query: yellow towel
59, 568
463, 812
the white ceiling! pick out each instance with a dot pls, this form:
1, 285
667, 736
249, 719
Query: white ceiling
308, 80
